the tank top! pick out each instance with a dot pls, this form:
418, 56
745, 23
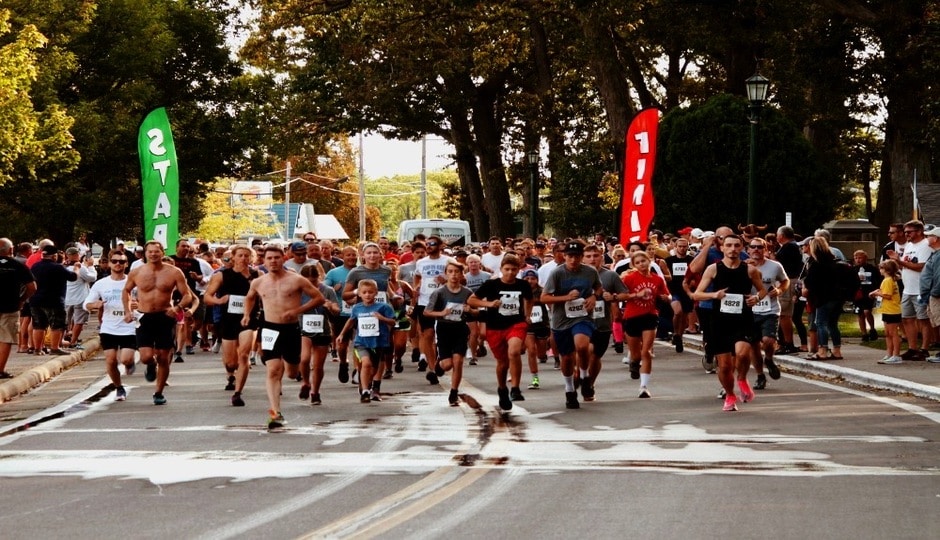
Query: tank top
737, 285
235, 283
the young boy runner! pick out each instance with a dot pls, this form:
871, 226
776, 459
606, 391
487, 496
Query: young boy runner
508, 304
606, 310
537, 332
372, 322
448, 304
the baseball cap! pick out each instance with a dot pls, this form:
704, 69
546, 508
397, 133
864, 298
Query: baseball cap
72, 251
697, 233
574, 247
933, 232
49, 250
460, 253
530, 273
685, 230
298, 246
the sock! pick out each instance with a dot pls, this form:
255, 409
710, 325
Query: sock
584, 374
569, 383
550, 352
376, 386
644, 379
424, 357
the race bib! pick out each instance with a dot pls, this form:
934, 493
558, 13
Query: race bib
732, 304
346, 309
368, 326
536, 316
312, 323
236, 304
574, 308
762, 306
268, 338
599, 311
509, 304
118, 313
679, 269
429, 285
456, 312
381, 297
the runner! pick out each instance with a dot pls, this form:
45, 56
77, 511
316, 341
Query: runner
537, 331
228, 289
475, 277
371, 322
117, 336
371, 268
606, 310
732, 321
641, 316
508, 304
336, 279
402, 329
448, 304
155, 283
429, 275
316, 336
678, 265
766, 312
280, 292
577, 287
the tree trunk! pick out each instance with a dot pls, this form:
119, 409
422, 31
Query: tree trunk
489, 151
469, 176
608, 72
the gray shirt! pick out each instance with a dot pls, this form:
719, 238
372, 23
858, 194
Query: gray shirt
611, 283
561, 281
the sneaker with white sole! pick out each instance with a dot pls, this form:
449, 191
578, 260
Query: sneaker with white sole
534, 385
731, 403
891, 360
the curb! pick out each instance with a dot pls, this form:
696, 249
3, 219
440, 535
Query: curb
37, 375
850, 375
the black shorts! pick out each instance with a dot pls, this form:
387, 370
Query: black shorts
866, 303
765, 326
727, 330
284, 346
338, 323
157, 330
426, 323
375, 356
452, 338
230, 327
112, 342
891, 318
685, 302
199, 315
540, 330
600, 341
48, 317
26, 312
635, 326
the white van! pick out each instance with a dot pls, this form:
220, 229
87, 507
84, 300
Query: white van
454, 232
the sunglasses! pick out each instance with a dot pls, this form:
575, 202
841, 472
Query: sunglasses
756, 247
430, 244
226, 259
118, 261
909, 231
308, 240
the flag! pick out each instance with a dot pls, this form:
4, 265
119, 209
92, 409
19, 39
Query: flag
159, 180
636, 198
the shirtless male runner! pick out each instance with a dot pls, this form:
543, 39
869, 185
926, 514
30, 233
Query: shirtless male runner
280, 294
155, 283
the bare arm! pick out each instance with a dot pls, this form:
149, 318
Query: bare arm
214, 283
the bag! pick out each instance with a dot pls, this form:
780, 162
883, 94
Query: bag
846, 280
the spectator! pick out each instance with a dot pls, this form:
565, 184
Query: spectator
820, 287
16, 286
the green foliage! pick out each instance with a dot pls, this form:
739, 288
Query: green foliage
701, 173
578, 208
399, 198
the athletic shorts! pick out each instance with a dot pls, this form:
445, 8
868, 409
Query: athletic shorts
284, 345
111, 342
498, 340
911, 308
600, 340
426, 323
375, 356
728, 330
76, 314
322, 339
157, 330
635, 326
10, 327
685, 302
540, 331
891, 318
199, 315
452, 339
339, 322
26, 312
766, 326
48, 317
564, 339
231, 327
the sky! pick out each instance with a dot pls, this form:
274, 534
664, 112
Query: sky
384, 157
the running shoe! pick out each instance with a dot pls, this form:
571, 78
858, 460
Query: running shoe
237, 400
731, 404
158, 399
873, 335
355, 377
190, 349
677, 341
365, 397
398, 366
453, 398
645, 393
151, 374
129, 369
557, 364
431, 377
216, 346
626, 359
344, 372
708, 363
892, 360
587, 391
315, 399
911, 354
571, 400
422, 364
120, 394
634, 369
388, 374
304, 392
761, 382
481, 350
515, 394
275, 419
618, 347
934, 359
473, 361
534, 385
543, 360
438, 369
375, 396
505, 403
253, 359
231, 383
415, 353
746, 393
722, 394
772, 368
178, 359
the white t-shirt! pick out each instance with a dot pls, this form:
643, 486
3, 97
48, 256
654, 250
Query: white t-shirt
917, 252
429, 269
112, 318
546, 270
772, 274
492, 262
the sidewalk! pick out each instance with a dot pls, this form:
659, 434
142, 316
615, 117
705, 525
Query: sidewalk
860, 366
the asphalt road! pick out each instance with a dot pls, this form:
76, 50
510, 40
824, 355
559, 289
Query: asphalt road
805, 459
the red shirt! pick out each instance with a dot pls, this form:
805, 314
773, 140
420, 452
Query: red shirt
636, 282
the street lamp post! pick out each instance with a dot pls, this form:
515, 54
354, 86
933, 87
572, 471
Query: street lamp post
756, 93
533, 158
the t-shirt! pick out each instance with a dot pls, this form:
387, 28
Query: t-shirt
380, 275
915, 252
771, 274
611, 283
336, 280
492, 261
109, 291
316, 321
429, 269
51, 278
444, 297
371, 333
295, 266
635, 282
475, 280
890, 306
187, 265
14, 276
561, 281
513, 296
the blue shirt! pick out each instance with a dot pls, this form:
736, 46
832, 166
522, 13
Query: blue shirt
360, 311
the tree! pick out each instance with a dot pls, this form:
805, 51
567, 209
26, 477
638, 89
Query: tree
225, 220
